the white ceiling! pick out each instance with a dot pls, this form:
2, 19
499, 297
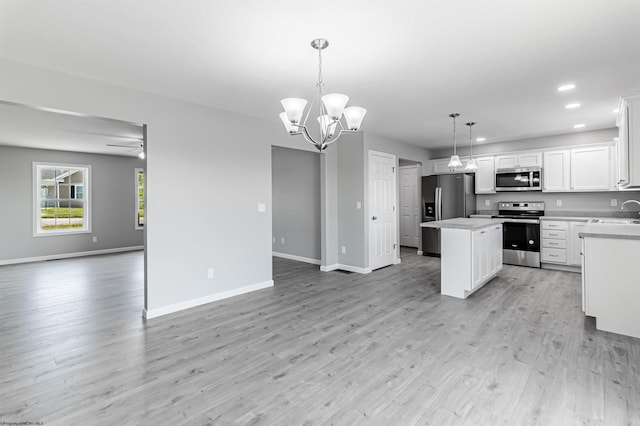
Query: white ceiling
410, 63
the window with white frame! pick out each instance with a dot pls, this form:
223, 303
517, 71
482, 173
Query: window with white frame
139, 198
61, 204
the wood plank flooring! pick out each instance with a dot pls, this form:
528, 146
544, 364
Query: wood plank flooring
318, 348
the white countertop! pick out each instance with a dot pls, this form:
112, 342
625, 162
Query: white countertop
461, 223
609, 230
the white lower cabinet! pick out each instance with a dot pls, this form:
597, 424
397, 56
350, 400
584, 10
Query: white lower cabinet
469, 259
610, 284
561, 244
486, 250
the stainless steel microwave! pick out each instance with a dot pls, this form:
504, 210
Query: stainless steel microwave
520, 179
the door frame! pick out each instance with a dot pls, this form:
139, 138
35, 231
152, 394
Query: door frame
368, 221
416, 167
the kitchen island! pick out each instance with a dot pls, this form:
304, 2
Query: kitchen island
610, 280
471, 253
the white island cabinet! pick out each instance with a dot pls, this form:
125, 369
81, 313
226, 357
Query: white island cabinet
471, 253
610, 283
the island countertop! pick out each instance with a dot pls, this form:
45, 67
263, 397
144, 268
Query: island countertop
461, 223
606, 230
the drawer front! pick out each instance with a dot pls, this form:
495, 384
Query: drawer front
559, 235
554, 255
556, 225
559, 244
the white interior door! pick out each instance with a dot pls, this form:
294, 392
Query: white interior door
382, 214
409, 213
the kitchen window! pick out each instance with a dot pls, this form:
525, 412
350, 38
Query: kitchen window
61, 199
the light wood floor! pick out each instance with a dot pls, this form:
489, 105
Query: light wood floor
318, 348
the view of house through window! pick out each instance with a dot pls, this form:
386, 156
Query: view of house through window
61, 198
140, 198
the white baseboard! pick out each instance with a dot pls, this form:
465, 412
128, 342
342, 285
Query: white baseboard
348, 268
298, 258
153, 313
69, 255
398, 260
329, 268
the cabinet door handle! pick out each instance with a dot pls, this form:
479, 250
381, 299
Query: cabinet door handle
374, 218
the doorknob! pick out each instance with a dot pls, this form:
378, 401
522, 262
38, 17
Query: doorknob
374, 218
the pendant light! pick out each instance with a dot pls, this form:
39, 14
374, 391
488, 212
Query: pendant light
472, 164
455, 160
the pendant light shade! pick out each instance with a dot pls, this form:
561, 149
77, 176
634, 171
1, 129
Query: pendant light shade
454, 162
327, 125
287, 123
354, 115
294, 107
472, 164
334, 103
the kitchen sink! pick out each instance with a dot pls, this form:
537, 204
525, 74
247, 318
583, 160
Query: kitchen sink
613, 221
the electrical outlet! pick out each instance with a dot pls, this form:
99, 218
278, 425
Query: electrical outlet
558, 203
95, 239
210, 273
614, 202
344, 249
487, 203
273, 240
282, 240
358, 205
262, 207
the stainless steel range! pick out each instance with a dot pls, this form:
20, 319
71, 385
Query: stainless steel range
521, 232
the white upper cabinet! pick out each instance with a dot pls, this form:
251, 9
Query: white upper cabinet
485, 175
555, 173
511, 161
591, 169
629, 142
439, 167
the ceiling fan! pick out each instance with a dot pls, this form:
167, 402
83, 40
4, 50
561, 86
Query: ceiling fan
131, 148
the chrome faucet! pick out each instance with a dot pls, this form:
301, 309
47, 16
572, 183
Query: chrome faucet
630, 201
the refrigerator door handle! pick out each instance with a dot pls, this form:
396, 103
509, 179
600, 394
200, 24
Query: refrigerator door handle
438, 203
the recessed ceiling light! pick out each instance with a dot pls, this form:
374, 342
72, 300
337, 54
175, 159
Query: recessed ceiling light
481, 139
579, 126
615, 111
566, 87
572, 106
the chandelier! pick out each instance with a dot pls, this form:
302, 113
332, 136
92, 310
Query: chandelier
331, 109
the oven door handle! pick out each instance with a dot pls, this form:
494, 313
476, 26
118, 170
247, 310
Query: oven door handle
534, 221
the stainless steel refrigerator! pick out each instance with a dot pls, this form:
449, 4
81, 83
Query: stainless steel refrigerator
445, 197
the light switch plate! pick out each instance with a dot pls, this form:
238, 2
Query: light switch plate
558, 203
487, 203
614, 202
262, 207
358, 205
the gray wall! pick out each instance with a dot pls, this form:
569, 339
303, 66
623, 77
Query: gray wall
296, 202
207, 170
351, 190
113, 216
568, 139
